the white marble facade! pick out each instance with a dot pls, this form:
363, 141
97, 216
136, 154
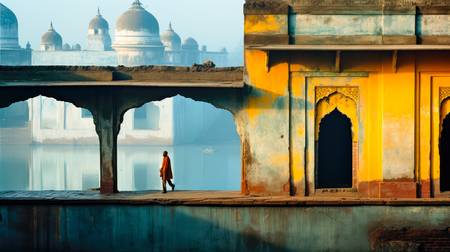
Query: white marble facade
55, 122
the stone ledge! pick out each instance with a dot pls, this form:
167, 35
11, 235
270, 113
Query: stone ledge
162, 74
199, 198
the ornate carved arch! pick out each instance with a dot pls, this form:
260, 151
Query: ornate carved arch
345, 99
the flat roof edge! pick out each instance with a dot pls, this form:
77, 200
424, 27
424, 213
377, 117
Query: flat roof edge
349, 47
224, 84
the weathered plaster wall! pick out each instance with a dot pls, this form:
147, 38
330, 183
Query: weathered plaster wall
390, 156
386, 117
347, 22
353, 25
264, 125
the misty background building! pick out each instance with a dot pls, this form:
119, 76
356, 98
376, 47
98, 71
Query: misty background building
43, 121
138, 42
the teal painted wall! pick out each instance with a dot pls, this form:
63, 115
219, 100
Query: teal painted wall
175, 228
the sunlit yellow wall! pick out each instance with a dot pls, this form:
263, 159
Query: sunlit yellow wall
266, 24
389, 128
266, 122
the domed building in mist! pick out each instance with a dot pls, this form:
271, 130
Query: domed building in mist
172, 45
9, 28
190, 50
98, 34
137, 39
10, 51
51, 40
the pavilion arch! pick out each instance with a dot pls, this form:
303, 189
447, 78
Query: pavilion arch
330, 101
108, 105
46, 145
212, 129
228, 99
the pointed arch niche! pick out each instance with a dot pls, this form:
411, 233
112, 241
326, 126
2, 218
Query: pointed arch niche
433, 111
443, 183
336, 138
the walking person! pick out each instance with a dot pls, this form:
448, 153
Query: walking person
166, 172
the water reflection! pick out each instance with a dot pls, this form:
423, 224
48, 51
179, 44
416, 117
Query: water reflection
76, 167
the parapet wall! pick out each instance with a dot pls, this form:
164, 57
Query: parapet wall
168, 228
308, 22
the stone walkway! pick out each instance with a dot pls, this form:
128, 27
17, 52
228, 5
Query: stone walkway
197, 198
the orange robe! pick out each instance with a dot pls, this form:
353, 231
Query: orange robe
166, 169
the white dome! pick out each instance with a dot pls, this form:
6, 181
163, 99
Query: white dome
190, 44
137, 28
98, 22
51, 40
9, 29
171, 39
98, 34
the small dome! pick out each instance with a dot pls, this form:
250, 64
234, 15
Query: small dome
52, 38
137, 19
9, 28
170, 39
76, 47
98, 22
190, 44
66, 47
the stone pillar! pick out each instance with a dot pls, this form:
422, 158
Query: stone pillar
107, 125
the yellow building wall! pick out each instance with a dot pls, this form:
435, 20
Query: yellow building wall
391, 153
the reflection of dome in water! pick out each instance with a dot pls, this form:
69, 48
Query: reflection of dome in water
51, 40
171, 40
137, 27
9, 28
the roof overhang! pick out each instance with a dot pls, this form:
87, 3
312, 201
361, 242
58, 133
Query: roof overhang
349, 47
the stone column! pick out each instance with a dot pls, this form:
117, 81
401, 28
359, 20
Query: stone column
107, 125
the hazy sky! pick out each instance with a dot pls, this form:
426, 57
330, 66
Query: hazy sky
215, 23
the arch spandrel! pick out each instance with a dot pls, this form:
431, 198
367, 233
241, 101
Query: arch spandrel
342, 99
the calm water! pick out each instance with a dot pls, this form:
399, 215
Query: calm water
76, 167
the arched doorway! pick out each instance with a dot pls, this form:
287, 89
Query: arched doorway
444, 153
334, 152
